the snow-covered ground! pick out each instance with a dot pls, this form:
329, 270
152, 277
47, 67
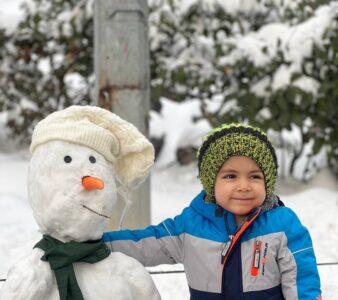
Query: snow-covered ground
172, 189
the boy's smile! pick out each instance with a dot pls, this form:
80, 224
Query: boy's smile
240, 186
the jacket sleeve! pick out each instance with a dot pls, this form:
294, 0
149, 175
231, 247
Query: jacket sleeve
297, 262
154, 245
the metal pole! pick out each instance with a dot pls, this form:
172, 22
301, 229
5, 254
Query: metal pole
122, 81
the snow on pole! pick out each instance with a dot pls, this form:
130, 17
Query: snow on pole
122, 75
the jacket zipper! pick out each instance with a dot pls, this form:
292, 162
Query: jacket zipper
226, 249
228, 243
256, 258
234, 238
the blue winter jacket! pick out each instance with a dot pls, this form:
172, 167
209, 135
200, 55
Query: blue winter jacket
269, 257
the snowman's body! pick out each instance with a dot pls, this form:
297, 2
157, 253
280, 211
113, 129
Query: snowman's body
116, 277
65, 210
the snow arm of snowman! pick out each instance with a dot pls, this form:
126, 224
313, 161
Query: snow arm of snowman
29, 279
152, 246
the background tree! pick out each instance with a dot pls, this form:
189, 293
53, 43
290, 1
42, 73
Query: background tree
47, 63
244, 61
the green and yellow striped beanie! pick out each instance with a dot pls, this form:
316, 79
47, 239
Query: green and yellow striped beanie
235, 140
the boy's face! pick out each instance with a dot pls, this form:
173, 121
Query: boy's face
240, 186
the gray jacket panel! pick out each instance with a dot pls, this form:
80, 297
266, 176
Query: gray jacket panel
151, 251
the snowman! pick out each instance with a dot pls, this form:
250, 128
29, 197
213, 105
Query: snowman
80, 156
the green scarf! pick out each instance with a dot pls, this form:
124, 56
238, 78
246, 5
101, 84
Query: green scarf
61, 257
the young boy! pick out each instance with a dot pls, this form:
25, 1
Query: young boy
236, 239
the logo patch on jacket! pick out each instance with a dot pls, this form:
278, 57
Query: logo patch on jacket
266, 245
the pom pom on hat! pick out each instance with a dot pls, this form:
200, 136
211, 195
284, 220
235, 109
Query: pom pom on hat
235, 140
117, 140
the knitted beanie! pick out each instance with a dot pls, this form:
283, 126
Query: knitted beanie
116, 139
235, 140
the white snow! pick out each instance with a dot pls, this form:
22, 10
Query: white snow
75, 84
307, 84
300, 38
44, 66
291, 140
10, 14
296, 42
177, 120
233, 7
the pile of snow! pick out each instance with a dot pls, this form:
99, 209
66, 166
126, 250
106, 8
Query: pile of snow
176, 123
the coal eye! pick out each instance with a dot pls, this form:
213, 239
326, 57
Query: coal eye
67, 159
92, 159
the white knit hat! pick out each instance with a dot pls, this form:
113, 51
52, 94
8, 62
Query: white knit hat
117, 140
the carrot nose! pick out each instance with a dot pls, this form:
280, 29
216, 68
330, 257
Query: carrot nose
92, 183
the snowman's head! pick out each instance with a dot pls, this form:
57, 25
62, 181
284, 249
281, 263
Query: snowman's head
71, 189
78, 153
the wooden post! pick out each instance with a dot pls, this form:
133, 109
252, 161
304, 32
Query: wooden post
122, 81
